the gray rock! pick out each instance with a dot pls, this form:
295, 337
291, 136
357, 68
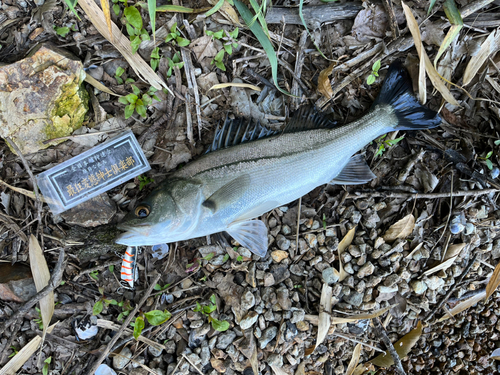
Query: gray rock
225, 339
194, 359
387, 289
218, 260
366, 270
249, 320
275, 359
311, 239
286, 230
391, 280
348, 268
434, 282
198, 335
205, 354
297, 315
267, 336
104, 369
94, 212
122, 360
247, 300
155, 352
170, 347
283, 297
282, 242
280, 273
330, 275
354, 298
291, 331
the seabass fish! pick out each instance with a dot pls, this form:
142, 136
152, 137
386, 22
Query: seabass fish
248, 172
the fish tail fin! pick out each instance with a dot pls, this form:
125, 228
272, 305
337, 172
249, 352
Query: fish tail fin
397, 91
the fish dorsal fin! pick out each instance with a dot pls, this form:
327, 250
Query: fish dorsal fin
251, 234
307, 118
237, 131
356, 172
228, 194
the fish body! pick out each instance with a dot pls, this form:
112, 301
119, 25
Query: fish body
224, 189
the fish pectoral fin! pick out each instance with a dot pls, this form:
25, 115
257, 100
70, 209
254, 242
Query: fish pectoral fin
229, 193
356, 172
251, 234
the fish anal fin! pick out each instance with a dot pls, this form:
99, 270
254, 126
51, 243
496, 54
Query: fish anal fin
228, 193
251, 234
356, 172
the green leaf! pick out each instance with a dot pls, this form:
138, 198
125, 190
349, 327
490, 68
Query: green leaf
129, 110
174, 8
157, 287
376, 66
129, 80
157, 317
455, 18
169, 72
116, 9
226, 257
239, 258
131, 30
176, 58
219, 34
131, 98
136, 90
209, 309
111, 301
234, 33
155, 53
154, 63
198, 307
141, 110
62, 31
123, 100
147, 100
488, 155
371, 79
209, 256
215, 8
431, 5
138, 326
152, 15
98, 307
213, 299
144, 35
497, 142
94, 275
135, 42
219, 56
220, 65
173, 29
263, 40
119, 71
133, 17
220, 325
71, 5
228, 48
489, 164
182, 42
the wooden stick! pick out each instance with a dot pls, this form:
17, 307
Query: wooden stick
314, 14
390, 348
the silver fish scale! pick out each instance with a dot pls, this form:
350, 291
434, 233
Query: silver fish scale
281, 168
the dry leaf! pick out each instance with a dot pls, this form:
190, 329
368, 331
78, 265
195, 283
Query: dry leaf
235, 84
493, 283
314, 319
324, 84
24, 354
301, 368
203, 47
495, 354
464, 305
107, 15
437, 82
325, 309
403, 347
98, 85
227, 11
122, 44
41, 277
364, 368
354, 360
401, 229
344, 244
448, 260
489, 46
422, 87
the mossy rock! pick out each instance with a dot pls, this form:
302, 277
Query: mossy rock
41, 98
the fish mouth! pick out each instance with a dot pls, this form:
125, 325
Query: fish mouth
134, 235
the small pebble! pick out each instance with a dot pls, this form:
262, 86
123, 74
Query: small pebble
330, 275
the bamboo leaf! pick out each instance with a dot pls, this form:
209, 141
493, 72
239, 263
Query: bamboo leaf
152, 16
235, 84
493, 283
354, 360
437, 82
403, 347
314, 319
177, 9
278, 370
451, 255
256, 29
344, 244
422, 87
41, 277
98, 85
464, 305
489, 46
453, 15
107, 15
324, 84
325, 308
401, 229
215, 8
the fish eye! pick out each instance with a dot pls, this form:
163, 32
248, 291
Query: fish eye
142, 211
